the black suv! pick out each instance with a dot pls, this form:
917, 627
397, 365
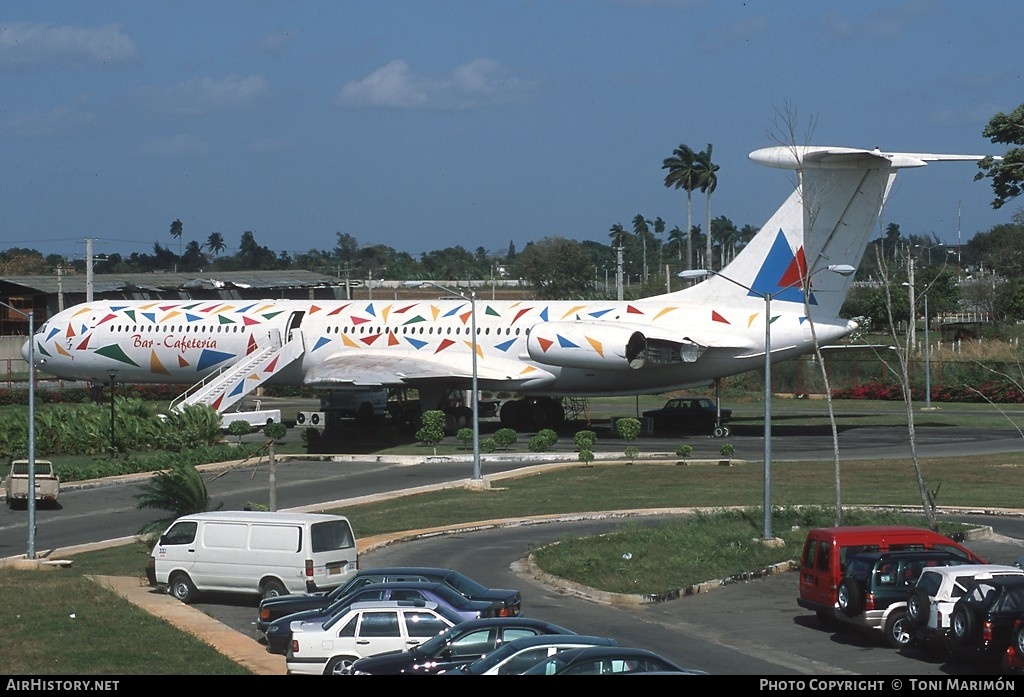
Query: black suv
873, 593
981, 625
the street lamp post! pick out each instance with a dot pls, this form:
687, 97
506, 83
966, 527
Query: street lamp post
31, 357
842, 269
475, 398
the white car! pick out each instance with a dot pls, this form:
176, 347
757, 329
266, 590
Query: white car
930, 603
521, 654
365, 629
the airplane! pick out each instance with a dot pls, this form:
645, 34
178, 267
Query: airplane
543, 350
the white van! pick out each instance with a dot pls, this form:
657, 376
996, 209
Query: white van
260, 552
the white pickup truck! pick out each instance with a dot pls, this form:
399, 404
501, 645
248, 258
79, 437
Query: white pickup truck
16, 485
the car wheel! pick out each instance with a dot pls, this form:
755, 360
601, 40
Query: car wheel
339, 665
897, 630
961, 624
182, 588
1018, 640
917, 608
272, 589
849, 597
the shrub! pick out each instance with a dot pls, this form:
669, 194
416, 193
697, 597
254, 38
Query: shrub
586, 456
539, 444
488, 445
727, 450
432, 431
549, 435
464, 436
685, 450
505, 437
584, 440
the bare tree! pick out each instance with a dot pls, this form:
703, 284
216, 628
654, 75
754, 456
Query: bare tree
784, 133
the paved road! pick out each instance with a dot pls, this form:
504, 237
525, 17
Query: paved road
754, 628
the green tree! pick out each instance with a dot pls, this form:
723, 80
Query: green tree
274, 432
432, 431
557, 268
176, 229
584, 440
215, 243
464, 436
708, 181
641, 230
683, 174
1006, 173
629, 430
617, 233
505, 437
179, 490
240, 428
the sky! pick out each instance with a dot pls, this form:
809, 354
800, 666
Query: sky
427, 124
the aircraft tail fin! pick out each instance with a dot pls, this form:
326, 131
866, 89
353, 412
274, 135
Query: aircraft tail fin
827, 221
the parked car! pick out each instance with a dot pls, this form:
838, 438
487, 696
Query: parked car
517, 656
930, 603
365, 629
608, 660
873, 594
463, 643
827, 550
270, 609
981, 627
689, 414
278, 634
1013, 659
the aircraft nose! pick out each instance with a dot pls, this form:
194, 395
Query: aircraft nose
24, 349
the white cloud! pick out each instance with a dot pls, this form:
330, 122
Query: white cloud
41, 45
480, 82
58, 121
205, 95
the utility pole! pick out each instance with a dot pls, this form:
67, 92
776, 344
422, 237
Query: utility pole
618, 271
88, 269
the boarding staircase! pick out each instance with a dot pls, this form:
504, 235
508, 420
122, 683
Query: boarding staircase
227, 387
576, 408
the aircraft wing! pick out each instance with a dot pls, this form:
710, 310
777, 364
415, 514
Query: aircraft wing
375, 368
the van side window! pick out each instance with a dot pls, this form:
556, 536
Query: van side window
183, 533
824, 556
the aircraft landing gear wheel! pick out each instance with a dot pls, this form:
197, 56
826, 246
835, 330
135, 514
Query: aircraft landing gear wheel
720, 432
725, 430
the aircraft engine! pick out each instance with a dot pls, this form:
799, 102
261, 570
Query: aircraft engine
605, 346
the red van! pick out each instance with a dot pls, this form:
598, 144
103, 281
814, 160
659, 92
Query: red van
823, 560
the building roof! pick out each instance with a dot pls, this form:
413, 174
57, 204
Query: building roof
105, 283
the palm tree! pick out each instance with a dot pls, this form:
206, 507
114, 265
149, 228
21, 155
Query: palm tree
179, 490
640, 228
675, 237
176, 230
618, 234
707, 180
215, 243
682, 174
659, 227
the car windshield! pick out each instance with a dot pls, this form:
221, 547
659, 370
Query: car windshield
487, 661
434, 645
464, 585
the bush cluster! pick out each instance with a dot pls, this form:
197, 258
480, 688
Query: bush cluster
997, 391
